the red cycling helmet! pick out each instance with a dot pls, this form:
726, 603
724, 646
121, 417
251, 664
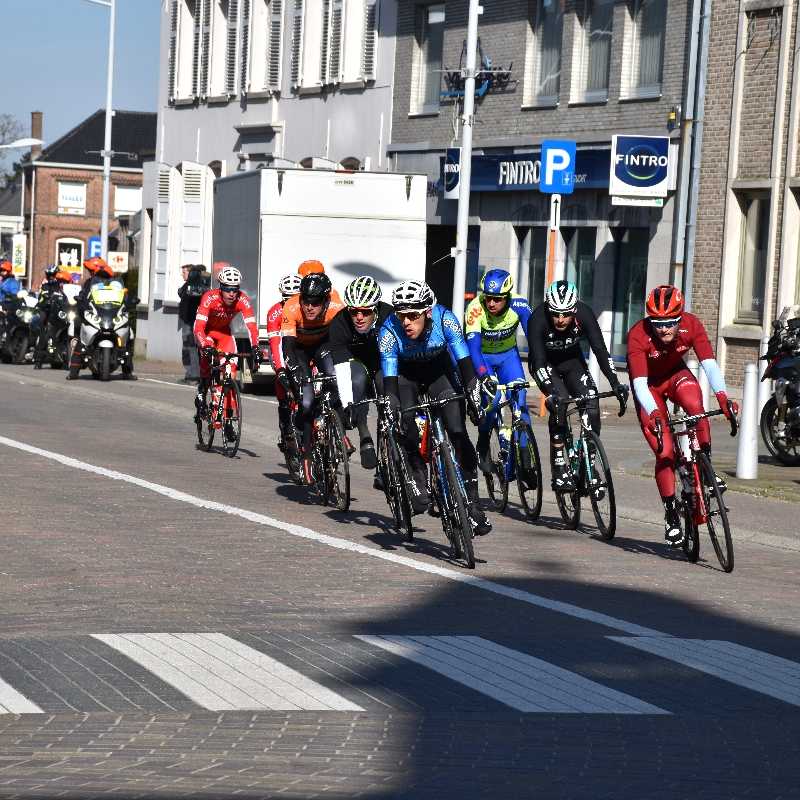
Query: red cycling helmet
665, 302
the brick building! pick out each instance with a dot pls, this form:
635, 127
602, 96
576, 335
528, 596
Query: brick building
581, 70
63, 191
746, 256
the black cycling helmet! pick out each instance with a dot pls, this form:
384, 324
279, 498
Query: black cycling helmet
50, 270
317, 285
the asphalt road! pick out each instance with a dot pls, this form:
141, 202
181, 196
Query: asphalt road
175, 623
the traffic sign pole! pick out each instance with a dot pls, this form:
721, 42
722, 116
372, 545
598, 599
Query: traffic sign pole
550, 272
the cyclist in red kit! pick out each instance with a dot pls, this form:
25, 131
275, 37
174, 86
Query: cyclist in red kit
212, 325
288, 286
656, 348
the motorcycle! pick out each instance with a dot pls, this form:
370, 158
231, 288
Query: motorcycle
21, 322
105, 334
61, 316
780, 418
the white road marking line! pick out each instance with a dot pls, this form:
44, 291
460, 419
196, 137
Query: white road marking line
12, 702
186, 386
753, 669
513, 678
577, 612
221, 674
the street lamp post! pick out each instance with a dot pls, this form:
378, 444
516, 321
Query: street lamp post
107, 152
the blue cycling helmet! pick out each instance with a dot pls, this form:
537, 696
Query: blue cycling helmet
497, 282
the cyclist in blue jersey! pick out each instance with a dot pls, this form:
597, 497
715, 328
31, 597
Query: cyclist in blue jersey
422, 348
491, 322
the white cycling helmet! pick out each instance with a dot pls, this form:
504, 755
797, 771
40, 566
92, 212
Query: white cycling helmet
562, 297
289, 285
363, 292
230, 277
413, 296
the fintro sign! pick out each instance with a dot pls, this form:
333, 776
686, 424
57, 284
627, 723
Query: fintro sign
639, 166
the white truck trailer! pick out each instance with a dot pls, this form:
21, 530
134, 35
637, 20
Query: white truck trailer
268, 221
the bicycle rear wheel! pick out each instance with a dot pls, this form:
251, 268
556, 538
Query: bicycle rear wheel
204, 422
529, 471
717, 522
337, 473
457, 502
600, 487
497, 479
231, 408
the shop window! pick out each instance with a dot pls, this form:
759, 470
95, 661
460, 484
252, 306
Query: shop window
753, 258
579, 250
543, 62
644, 48
630, 284
592, 52
537, 266
427, 72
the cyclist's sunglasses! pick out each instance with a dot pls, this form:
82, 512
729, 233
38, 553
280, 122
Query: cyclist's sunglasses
562, 314
496, 298
413, 316
229, 289
312, 301
364, 312
664, 323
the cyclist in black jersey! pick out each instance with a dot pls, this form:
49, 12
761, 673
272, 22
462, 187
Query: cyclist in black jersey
555, 331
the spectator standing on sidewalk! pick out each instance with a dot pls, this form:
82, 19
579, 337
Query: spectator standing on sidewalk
196, 281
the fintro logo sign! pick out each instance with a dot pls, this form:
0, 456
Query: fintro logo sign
639, 165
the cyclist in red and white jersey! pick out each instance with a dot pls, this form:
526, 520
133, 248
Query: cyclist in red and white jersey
212, 325
288, 286
657, 372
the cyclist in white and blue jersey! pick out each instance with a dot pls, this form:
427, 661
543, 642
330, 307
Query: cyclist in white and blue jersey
422, 347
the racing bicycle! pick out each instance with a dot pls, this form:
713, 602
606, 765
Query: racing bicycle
700, 502
446, 480
513, 454
221, 407
590, 470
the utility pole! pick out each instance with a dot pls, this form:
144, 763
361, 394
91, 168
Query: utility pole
465, 172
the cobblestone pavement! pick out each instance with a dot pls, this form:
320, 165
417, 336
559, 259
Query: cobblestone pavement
175, 623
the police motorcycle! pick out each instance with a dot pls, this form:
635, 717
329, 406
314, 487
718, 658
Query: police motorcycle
105, 333
61, 317
780, 418
20, 328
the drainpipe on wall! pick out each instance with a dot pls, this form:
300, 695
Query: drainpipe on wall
687, 121
697, 148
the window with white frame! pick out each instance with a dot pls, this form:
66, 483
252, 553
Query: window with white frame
644, 50
426, 81
752, 258
591, 57
261, 45
182, 61
543, 57
127, 200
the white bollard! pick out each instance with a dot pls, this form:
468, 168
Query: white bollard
764, 387
747, 453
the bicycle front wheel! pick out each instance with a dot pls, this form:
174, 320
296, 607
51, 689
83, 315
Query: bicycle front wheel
717, 515
600, 487
462, 526
497, 479
231, 408
529, 471
337, 469
394, 475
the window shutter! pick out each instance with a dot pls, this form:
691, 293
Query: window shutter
197, 47
192, 214
335, 47
167, 233
324, 42
231, 46
173, 49
297, 41
369, 60
244, 56
203, 12
275, 39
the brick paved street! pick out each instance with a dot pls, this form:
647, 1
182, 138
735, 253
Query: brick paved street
153, 646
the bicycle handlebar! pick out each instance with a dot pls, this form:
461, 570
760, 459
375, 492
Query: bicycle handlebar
429, 404
583, 400
690, 421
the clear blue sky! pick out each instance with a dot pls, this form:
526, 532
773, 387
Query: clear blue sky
54, 59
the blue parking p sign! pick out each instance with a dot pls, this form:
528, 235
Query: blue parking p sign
95, 247
557, 173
